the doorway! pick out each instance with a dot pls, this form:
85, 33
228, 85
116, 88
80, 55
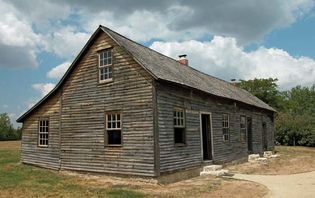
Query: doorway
249, 135
206, 136
264, 136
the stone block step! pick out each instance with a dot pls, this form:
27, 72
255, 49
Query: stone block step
212, 168
221, 172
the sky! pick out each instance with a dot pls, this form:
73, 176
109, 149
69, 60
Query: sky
239, 39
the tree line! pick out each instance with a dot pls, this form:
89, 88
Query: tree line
295, 116
7, 131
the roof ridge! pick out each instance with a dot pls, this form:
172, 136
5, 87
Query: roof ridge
168, 57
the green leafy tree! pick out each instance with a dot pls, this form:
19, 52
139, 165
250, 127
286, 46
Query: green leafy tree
300, 100
7, 131
264, 89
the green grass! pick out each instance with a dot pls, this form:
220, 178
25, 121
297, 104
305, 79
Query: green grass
19, 180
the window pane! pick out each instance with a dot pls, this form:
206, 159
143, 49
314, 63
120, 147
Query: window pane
118, 116
179, 135
114, 137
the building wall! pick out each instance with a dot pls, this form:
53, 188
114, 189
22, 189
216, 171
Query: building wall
30, 152
173, 158
84, 103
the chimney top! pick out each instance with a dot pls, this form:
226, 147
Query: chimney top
182, 59
182, 56
233, 82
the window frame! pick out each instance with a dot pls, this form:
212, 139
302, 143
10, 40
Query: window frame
226, 127
243, 130
109, 66
43, 132
107, 129
181, 126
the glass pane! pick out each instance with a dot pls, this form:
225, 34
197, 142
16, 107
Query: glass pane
118, 116
114, 137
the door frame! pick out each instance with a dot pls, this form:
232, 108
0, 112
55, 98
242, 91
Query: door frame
201, 136
249, 136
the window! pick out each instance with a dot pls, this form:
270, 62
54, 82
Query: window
179, 126
113, 128
105, 65
43, 129
226, 127
243, 129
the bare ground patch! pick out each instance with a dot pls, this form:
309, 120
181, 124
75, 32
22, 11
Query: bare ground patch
291, 160
203, 186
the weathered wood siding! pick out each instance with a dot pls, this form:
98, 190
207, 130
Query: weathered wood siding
30, 152
85, 103
172, 157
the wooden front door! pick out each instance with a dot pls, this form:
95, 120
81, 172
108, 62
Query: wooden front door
206, 136
249, 135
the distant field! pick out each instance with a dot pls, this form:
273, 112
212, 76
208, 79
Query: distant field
10, 144
19, 180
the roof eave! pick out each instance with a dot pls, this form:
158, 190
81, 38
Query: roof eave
23, 116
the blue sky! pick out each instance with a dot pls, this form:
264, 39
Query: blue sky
240, 39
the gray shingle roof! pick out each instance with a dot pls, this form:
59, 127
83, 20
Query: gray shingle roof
168, 69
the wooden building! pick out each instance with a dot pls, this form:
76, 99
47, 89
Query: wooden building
123, 108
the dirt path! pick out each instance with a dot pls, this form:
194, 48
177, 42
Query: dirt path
286, 186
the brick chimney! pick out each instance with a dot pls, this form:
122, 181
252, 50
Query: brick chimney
233, 82
182, 59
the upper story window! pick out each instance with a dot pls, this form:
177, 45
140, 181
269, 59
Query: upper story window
226, 127
113, 128
105, 65
43, 130
243, 129
179, 126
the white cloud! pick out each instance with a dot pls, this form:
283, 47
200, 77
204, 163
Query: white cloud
66, 42
155, 24
223, 57
43, 88
246, 20
58, 71
18, 41
5, 106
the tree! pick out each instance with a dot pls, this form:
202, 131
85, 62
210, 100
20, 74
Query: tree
7, 131
300, 100
264, 89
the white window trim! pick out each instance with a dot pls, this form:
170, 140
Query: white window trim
104, 66
226, 127
177, 118
113, 129
40, 132
120, 121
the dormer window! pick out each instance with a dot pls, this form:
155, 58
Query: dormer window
105, 65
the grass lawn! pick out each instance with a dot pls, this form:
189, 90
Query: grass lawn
291, 160
19, 180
